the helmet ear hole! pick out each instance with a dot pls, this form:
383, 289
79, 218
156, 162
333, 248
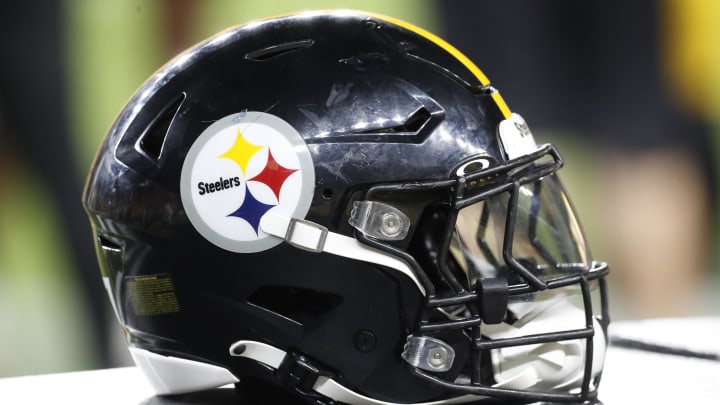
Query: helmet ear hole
328, 194
151, 141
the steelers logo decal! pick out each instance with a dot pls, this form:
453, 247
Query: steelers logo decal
239, 169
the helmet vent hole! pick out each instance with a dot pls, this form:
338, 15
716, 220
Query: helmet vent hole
152, 140
328, 194
107, 244
297, 304
413, 124
274, 51
416, 121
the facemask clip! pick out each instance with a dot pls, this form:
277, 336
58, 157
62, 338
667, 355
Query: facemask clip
379, 220
428, 353
494, 295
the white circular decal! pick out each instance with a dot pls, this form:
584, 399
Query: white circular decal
239, 169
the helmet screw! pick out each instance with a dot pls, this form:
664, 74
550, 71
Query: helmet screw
437, 357
391, 224
365, 341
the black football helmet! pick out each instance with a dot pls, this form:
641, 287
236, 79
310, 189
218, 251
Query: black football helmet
340, 205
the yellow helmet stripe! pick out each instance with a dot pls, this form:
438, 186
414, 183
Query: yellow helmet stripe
441, 43
504, 109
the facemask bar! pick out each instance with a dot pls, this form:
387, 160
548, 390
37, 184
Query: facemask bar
465, 191
481, 344
465, 197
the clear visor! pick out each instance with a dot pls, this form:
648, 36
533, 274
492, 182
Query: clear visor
546, 239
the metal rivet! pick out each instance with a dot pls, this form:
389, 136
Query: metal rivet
391, 224
365, 341
437, 356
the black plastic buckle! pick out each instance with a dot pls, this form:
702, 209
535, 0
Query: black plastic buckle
494, 296
297, 373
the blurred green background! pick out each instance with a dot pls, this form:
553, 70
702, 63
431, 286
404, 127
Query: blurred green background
110, 47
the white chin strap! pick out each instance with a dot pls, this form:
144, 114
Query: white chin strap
273, 357
316, 238
546, 366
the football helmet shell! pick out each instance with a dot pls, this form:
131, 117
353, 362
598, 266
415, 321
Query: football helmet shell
340, 205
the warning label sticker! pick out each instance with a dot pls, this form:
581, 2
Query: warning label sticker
152, 295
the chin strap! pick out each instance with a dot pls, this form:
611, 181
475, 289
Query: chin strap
311, 378
313, 237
